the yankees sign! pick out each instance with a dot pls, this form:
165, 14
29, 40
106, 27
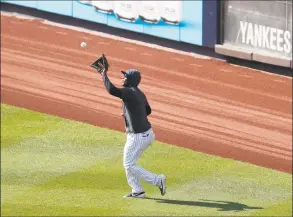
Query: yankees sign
261, 36
260, 26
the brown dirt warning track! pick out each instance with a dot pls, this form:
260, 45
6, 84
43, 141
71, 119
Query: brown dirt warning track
205, 105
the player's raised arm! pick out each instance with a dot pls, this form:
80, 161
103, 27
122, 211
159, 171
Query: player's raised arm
111, 88
102, 65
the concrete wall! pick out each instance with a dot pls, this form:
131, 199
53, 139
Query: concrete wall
262, 30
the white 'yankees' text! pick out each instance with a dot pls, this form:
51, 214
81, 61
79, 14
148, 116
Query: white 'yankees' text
265, 37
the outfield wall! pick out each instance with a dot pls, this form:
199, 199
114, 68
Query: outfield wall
182, 21
251, 30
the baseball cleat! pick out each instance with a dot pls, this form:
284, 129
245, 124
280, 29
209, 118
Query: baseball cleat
135, 195
162, 186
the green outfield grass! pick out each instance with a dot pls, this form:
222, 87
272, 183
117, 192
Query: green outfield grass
52, 166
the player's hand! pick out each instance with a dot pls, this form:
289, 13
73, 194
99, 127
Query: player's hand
104, 72
104, 65
101, 65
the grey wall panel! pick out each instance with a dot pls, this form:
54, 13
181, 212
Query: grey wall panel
264, 26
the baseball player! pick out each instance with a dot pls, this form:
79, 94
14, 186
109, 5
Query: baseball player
138, 129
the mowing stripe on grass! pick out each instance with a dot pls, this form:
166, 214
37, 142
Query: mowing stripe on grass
52, 167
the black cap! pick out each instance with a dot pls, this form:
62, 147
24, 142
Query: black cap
133, 77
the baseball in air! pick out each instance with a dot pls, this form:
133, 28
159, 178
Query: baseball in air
83, 44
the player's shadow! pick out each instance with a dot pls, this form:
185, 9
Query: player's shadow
220, 205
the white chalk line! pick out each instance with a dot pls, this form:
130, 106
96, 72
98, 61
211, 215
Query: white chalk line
129, 48
43, 27
146, 54
85, 37
196, 65
225, 70
246, 76
15, 22
280, 81
177, 59
62, 33
101, 42
20, 16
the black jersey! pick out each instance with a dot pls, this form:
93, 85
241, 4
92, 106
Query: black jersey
135, 105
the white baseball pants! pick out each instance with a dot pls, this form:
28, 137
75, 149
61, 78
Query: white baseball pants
135, 145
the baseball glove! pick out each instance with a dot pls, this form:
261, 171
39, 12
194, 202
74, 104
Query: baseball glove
101, 64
